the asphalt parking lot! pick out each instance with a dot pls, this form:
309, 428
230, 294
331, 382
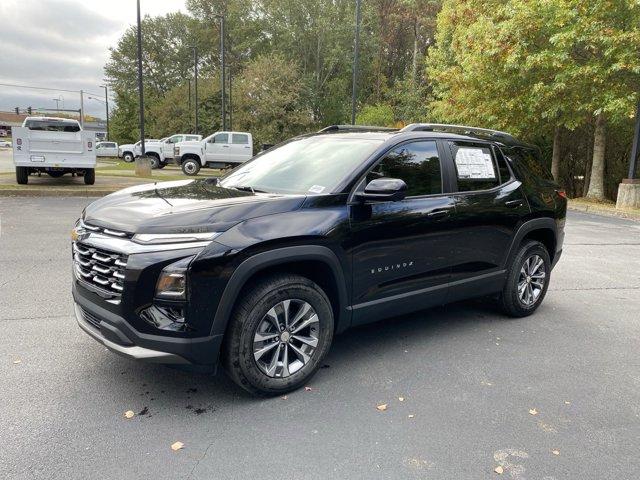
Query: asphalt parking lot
553, 396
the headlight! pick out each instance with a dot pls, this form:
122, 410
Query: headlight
160, 238
172, 282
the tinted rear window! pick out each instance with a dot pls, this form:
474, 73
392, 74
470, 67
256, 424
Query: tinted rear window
529, 162
52, 126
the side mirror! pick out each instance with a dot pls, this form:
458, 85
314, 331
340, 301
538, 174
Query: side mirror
383, 190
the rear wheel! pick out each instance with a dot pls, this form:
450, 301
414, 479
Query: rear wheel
90, 176
528, 280
279, 334
22, 175
190, 166
155, 162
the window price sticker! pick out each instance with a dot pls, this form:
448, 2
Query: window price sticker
475, 164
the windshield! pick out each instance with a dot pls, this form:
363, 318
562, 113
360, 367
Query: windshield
312, 165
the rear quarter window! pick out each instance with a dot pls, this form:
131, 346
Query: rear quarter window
528, 162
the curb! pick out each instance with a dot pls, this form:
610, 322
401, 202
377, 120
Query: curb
56, 192
605, 212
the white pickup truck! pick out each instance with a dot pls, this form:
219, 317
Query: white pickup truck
219, 150
161, 151
54, 146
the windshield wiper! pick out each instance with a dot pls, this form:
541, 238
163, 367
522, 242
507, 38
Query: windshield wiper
247, 188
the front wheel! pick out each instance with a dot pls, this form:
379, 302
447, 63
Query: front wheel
155, 162
128, 157
280, 332
527, 281
190, 167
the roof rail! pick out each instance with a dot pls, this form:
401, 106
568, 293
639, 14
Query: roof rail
356, 128
463, 129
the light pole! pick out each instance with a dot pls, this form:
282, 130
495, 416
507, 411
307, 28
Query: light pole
57, 100
629, 188
106, 103
222, 73
195, 82
140, 91
354, 87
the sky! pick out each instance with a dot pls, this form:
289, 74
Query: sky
63, 44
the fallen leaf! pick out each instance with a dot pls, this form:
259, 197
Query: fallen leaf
307, 389
499, 470
177, 446
555, 452
533, 411
382, 407
129, 414
411, 416
401, 399
284, 397
17, 361
567, 403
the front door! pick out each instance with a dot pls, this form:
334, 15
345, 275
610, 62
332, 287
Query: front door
490, 205
218, 147
402, 250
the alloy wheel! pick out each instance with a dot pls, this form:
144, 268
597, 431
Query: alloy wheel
286, 338
531, 280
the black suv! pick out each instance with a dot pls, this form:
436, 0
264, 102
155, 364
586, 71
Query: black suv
259, 269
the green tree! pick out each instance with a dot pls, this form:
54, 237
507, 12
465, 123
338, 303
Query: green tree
272, 100
379, 115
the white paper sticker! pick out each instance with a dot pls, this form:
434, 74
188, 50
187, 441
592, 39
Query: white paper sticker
316, 189
474, 163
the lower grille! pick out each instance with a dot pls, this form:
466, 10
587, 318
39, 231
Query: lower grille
90, 317
102, 269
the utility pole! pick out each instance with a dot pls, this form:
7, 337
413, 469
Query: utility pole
635, 148
140, 91
189, 103
230, 103
223, 102
195, 82
82, 109
629, 188
57, 100
354, 87
106, 103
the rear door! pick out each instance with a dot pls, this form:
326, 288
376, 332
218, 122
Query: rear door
218, 148
402, 250
240, 147
490, 205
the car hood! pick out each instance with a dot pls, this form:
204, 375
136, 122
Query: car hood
185, 205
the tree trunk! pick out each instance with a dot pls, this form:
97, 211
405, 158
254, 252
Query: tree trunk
596, 183
555, 156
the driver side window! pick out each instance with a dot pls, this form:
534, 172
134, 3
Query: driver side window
417, 163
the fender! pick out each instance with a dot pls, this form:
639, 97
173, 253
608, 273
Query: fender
526, 227
275, 257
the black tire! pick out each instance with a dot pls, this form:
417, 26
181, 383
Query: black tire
509, 299
22, 175
161, 165
190, 166
89, 176
55, 173
128, 157
155, 161
250, 312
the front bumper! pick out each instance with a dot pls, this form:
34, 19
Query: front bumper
115, 333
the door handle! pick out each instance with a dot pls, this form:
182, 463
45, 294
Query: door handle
225, 146
514, 203
438, 213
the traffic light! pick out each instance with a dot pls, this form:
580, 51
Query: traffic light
29, 110
17, 110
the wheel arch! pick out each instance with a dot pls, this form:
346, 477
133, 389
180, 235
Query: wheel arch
191, 156
543, 230
317, 263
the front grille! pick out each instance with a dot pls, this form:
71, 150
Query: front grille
105, 231
90, 317
100, 268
